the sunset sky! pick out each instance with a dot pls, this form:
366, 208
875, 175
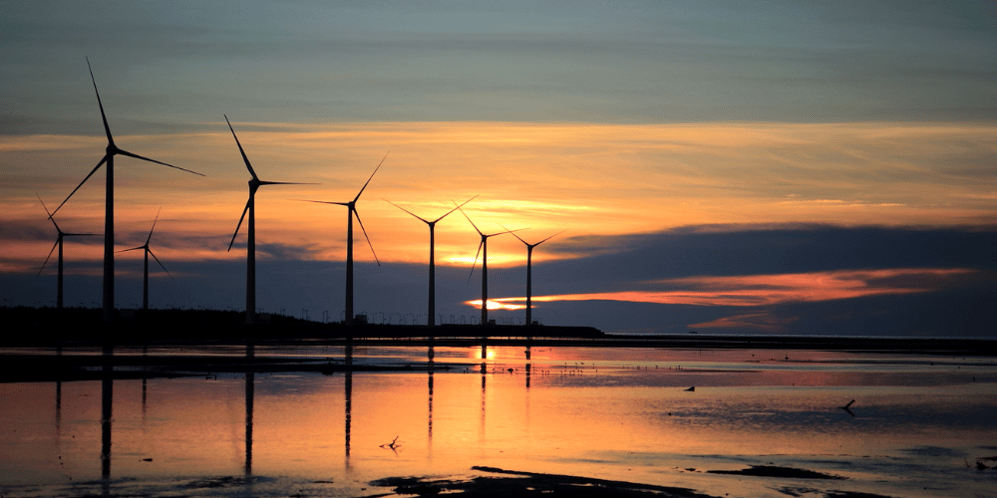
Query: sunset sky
726, 167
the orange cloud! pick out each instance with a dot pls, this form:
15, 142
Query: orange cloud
764, 290
759, 321
593, 179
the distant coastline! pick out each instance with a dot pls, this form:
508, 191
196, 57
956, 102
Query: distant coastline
44, 327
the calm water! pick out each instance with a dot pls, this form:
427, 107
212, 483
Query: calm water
621, 414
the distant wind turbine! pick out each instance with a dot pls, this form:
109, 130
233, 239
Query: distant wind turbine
351, 211
111, 151
145, 274
484, 265
254, 185
432, 256
58, 243
529, 274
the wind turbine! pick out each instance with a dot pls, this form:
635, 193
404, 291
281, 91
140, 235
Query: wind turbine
147, 251
58, 243
254, 185
351, 211
111, 151
484, 265
529, 274
432, 256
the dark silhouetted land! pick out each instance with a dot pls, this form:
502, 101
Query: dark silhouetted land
28, 326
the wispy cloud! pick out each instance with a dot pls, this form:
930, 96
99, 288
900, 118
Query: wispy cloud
768, 290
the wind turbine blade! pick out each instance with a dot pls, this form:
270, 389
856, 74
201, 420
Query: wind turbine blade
409, 212
455, 208
548, 238
244, 210
508, 231
263, 182
79, 234
160, 262
365, 235
132, 249
147, 239
514, 235
57, 229
43, 204
107, 129
136, 156
371, 177
94, 170
244, 158
475, 262
47, 257
468, 219
328, 202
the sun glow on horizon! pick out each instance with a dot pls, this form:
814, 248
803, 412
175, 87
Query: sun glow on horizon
591, 179
497, 304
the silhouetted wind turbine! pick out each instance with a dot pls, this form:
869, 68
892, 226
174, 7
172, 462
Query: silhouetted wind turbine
254, 185
147, 251
484, 265
351, 211
58, 243
111, 151
432, 256
529, 274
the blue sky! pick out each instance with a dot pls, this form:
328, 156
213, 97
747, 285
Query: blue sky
627, 62
640, 127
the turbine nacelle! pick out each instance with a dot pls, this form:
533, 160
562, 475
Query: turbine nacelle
254, 183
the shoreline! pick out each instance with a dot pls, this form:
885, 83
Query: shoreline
502, 335
82, 327
96, 360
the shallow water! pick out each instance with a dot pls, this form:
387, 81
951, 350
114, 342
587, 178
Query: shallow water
916, 428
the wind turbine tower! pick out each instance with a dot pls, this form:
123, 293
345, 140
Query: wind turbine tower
254, 185
111, 151
58, 243
432, 256
529, 275
484, 265
145, 273
351, 212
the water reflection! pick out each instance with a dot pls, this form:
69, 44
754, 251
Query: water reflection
621, 417
58, 406
430, 367
106, 403
529, 364
250, 395
484, 382
348, 388
145, 382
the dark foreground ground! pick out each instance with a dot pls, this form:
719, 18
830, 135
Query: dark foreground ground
494, 482
25, 326
478, 482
